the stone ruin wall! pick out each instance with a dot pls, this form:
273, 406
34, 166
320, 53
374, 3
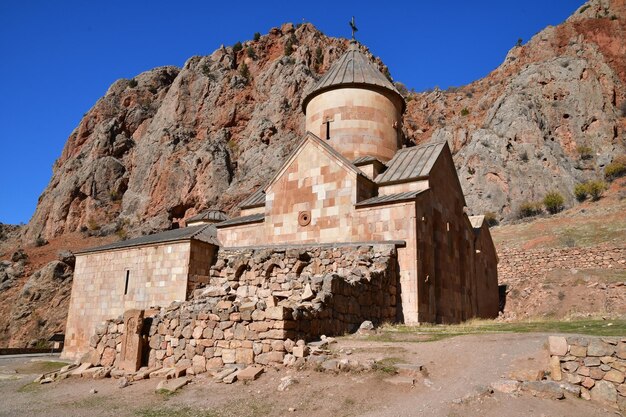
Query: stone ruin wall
517, 265
259, 302
596, 365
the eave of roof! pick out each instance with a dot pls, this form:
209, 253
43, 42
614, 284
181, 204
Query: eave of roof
204, 233
252, 218
390, 198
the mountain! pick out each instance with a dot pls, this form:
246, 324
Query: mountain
171, 142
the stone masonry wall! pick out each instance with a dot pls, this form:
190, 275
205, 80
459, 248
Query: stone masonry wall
259, 302
518, 264
597, 365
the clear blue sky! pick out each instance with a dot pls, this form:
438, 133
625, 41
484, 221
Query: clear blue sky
59, 57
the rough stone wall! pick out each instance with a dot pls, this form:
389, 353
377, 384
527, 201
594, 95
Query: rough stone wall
260, 301
597, 365
518, 264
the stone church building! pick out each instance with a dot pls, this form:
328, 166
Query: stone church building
348, 184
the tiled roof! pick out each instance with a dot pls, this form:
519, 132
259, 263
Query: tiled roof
391, 198
411, 163
213, 215
256, 199
203, 232
253, 218
353, 69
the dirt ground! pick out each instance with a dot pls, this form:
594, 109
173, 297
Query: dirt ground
459, 371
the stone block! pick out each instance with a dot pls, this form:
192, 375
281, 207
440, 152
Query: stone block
557, 345
245, 356
300, 351
579, 351
199, 364
278, 313
215, 363
172, 385
250, 373
604, 392
507, 386
555, 368
599, 348
544, 389
614, 376
229, 356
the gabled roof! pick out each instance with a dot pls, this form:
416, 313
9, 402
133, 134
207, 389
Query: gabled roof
256, 199
329, 150
204, 232
390, 198
411, 163
210, 215
253, 218
353, 69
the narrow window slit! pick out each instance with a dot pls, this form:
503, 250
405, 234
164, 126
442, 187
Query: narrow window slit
126, 284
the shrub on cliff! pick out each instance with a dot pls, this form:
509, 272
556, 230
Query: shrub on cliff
257, 36
529, 209
581, 191
585, 152
616, 169
595, 189
237, 47
553, 202
244, 71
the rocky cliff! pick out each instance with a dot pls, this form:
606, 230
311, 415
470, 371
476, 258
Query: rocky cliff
171, 142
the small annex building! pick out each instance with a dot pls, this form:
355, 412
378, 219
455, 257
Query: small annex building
348, 182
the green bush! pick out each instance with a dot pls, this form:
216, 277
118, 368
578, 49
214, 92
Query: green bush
257, 36
132, 83
529, 209
595, 189
615, 169
553, 202
491, 219
250, 52
464, 111
244, 71
319, 56
288, 47
581, 191
585, 152
237, 47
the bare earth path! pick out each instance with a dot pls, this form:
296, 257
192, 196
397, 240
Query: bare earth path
460, 368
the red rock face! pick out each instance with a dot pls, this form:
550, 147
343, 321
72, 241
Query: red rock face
173, 142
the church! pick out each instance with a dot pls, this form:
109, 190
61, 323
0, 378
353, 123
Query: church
347, 184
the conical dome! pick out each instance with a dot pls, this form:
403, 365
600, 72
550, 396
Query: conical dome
354, 69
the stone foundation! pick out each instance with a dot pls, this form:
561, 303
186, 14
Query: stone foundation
259, 301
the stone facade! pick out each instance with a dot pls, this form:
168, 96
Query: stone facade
440, 278
108, 283
259, 302
596, 365
361, 122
